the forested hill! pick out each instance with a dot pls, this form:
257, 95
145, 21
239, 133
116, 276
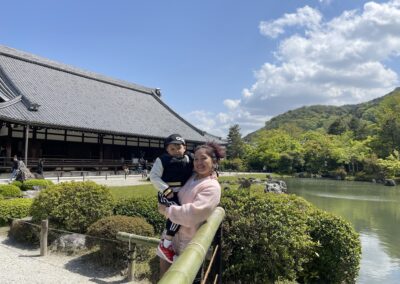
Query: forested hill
322, 117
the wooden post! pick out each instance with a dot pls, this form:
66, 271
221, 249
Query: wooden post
26, 144
43, 237
132, 264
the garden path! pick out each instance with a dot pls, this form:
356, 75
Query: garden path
21, 264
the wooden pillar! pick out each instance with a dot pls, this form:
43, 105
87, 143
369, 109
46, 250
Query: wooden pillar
101, 154
26, 143
8, 149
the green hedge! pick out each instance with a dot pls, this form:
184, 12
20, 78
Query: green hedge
338, 252
10, 191
14, 208
271, 237
30, 183
116, 253
145, 207
73, 205
17, 183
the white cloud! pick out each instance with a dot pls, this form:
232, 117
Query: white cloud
304, 17
246, 93
341, 61
231, 104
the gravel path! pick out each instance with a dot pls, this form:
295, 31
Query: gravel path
19, 264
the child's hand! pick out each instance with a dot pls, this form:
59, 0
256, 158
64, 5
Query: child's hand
170, 195
162, 209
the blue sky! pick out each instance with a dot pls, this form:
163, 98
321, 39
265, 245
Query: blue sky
221, 62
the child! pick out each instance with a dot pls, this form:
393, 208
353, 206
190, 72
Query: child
170, 171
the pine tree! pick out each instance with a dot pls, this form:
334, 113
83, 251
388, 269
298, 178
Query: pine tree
235, 147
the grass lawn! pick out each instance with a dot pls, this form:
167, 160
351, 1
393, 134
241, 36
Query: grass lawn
122, 192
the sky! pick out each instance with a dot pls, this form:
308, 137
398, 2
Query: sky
221, 62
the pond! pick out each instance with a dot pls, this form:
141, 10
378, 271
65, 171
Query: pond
373, 210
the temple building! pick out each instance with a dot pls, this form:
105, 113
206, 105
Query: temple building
68, 116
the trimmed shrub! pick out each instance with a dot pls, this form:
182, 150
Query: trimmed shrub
73, 205
146, 207
10, 191
279, 245
337, 258
24, 233
1, 197
17, 183
287, 235
14, 208
30, 183
45, 204
116, 253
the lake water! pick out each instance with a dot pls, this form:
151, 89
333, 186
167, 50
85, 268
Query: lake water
373, 210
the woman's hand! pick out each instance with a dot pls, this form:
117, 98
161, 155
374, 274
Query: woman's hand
162, 208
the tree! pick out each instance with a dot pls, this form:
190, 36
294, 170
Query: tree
389, 126
337, 127
235, 147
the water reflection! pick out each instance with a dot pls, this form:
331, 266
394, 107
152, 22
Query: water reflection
373, 210
376, 265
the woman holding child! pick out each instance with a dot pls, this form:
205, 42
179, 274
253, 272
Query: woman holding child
198, 198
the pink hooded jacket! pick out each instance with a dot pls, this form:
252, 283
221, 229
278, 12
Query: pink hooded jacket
198, 200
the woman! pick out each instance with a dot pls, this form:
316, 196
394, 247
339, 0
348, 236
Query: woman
198, 197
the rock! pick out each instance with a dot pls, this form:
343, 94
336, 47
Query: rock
276, 186
71, 243
390, 182
30, 193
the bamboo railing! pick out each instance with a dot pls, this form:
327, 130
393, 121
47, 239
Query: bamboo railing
185, 268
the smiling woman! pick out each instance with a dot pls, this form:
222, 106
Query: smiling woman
198, 197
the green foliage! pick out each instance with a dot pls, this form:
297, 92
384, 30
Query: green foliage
146, 207
24, 233
17, 183
73, 205
389, 125
234, 149
268, 147
329, 137
338, 127
116, 253
45, 204
279, 245
14, 208
390, 166
312, 118
10, 191
290, 239
232, 165
30, 183
337, 258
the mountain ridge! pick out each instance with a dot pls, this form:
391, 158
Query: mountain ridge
321, 117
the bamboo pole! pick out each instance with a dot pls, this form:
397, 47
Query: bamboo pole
185, 268
43, 237
141, 240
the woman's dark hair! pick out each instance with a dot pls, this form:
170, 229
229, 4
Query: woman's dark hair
214, 150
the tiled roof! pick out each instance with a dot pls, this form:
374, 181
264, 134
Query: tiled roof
74, 99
